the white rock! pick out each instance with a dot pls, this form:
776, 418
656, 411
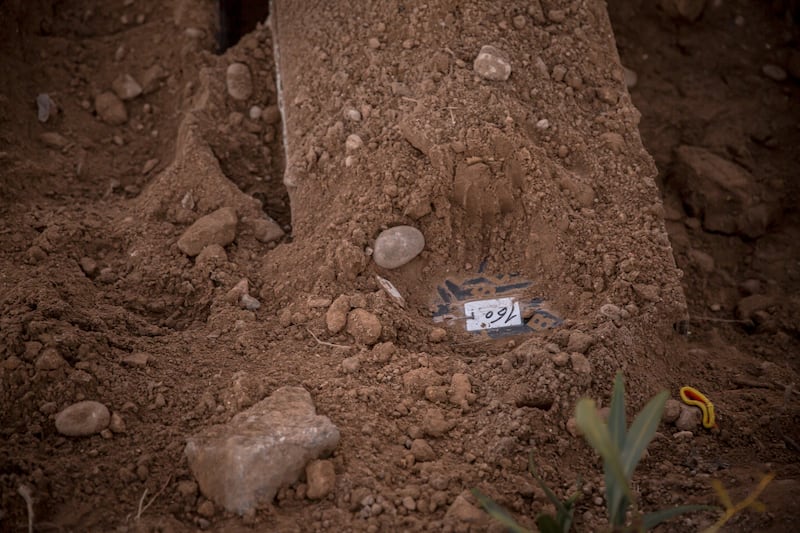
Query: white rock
126, 87
353, 143
397, 246
82, 419
239, 81
242, 464
492, 64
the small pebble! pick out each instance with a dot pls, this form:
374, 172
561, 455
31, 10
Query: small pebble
110, 109
321, 476
239, 81
46, 107
422, 451
82, 419
352, 114
206, 509
689, 418
437, 335
353, 143
139, 359
248, 302
350, 365
218, 227
631, 78
254, 113
149, 165
774, 72
492, 64
397, 246
50, 359
126, 87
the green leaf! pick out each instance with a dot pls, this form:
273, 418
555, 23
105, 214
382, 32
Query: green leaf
498, 513
641, 432
596, 433
532, 468
617, 426
548, 524
651, 520
616, 418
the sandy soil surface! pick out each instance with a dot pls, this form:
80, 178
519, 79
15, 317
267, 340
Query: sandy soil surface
680, 269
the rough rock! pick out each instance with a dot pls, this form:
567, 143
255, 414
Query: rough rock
462, 511
397, 246
139, 359
672, 410
689, 419
435, 424
336, 316
492, 64
580, 364
50, 359
126, 87
82, 419
218, 227
461, 390
242, 464
53, 139
419, 379
267, 230
239, 81
750, 304
151, 78
321, 477
579, 342
364, 326
422, 451
110, 109
720, 193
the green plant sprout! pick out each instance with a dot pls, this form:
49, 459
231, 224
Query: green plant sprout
621, 449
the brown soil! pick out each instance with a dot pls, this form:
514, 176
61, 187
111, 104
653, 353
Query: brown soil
90, 268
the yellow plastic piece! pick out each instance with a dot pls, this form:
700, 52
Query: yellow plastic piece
692, 396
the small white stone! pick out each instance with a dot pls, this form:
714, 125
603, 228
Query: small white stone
492, 64
249, 303
126, 87
353, 143
543, 124
352, 114
239, 81
255, 112
397, 246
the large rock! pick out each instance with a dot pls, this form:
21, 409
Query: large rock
218, 227
242, 464
723, 194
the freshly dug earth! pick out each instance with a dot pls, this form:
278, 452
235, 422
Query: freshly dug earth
105, 296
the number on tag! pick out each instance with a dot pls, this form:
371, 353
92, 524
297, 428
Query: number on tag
492, 314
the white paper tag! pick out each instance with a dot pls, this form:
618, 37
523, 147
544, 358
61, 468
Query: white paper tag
492, 314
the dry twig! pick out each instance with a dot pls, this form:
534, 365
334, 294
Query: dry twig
332, 345
156, 495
